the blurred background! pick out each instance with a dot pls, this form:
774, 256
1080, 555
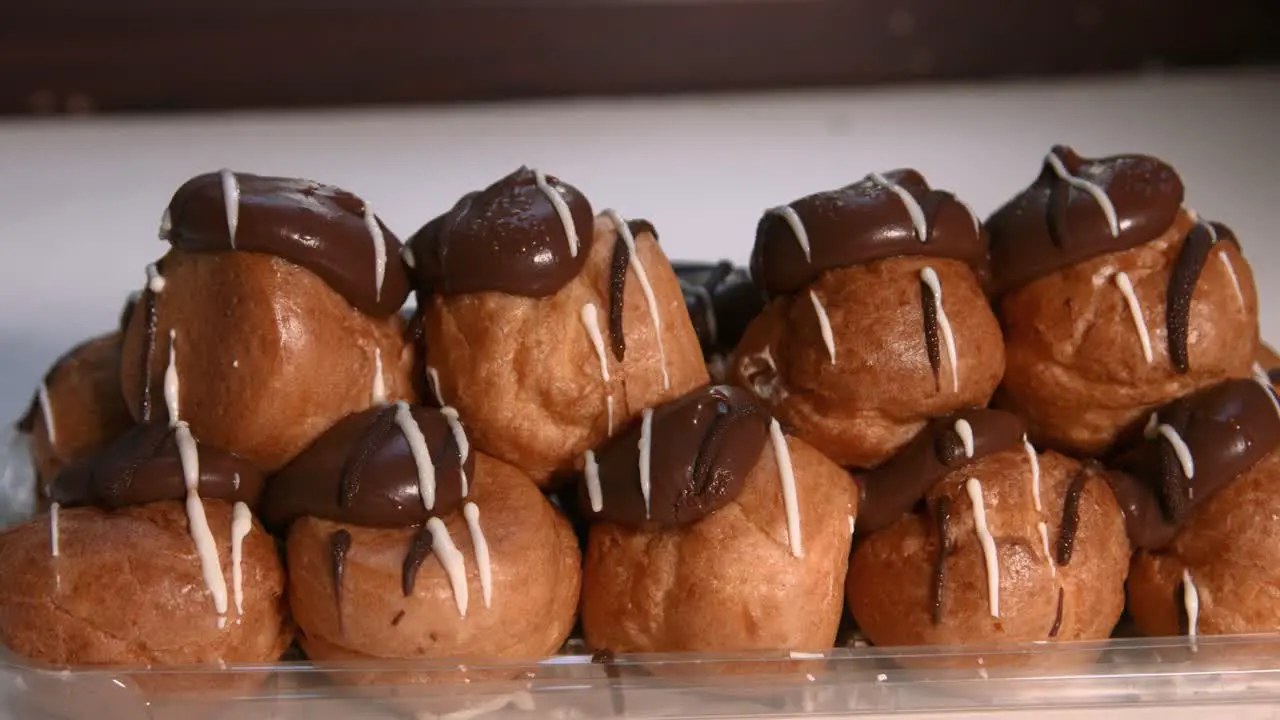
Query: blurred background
696, 114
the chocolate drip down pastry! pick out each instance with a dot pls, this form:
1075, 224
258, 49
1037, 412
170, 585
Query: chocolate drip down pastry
1200, 498
404, 541
878, 319
549, 329
737, 533
1114, 299
969, 536
275, 312
148, 555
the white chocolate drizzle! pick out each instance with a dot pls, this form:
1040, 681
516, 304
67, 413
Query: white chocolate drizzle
1261, 377
591, 472
974, 487
608, 411
1135, 310
166, 224
977, 224
406, 254
1098, 193
1048, 553
435, 386
1035, 472
797, 227
965, 431
460, 439
451, 560
646, 449
155, 281
471, 512
624, 231
421, 454
824, 325
53, 529
231, 199
171, 383
241, 524
562, 209
1180, 449
787, 476
1191, 603
591, 321
379, 251
913, 207
378, 392
206, 546
46, 412
1231, 273
930, 278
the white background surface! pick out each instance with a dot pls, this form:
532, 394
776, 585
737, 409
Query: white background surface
80, 199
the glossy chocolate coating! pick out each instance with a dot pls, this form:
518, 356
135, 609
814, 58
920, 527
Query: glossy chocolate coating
1196, 247
1227, 428
722, 300
506, 238
1052, 224
894, 488
144, 466
703, 446
619, 269
362, 471
862, 222
317, 227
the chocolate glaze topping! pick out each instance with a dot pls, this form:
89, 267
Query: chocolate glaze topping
894, 488
506, 238
942, 517
143, 466
862, 222
1070, 524
929, 310
722, 300
362, 471
1057, 615
1226, 428
419, 549
702, 446
151, 320
1054, 223
1182, 285
317, 227
619, 264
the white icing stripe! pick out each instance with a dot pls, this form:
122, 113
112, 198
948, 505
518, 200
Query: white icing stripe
46, 411
460, 439
171, 383
1179, 448
562, 209
646, 448
824, 325
627, 238
1191, 603
608, 411
53, 529
797, 227
1135, 310
231, 199
406, 254
155, 281
1261, 377
1035, 472
591, 471
471, 512
930, 278
913, 207
241, 524
787, 476
1231, 273
977, 224
965, 431
591, 321
708, 310
379, 251
1149, 430
435, 386
454, 564
166, 224
421, 455
1098, 193
974, 487
206, 547
378, 392
853, 524
1048, 553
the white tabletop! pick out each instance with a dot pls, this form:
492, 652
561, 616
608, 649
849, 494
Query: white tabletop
80, 199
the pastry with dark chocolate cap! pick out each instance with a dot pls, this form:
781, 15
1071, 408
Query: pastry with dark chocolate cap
877, 320
714, 530
275, 311
1200, 497
968, 536
405, 542
148, 556
547, 328
1114, 299
722, 300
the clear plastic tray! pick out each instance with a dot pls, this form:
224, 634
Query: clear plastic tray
1164, 678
